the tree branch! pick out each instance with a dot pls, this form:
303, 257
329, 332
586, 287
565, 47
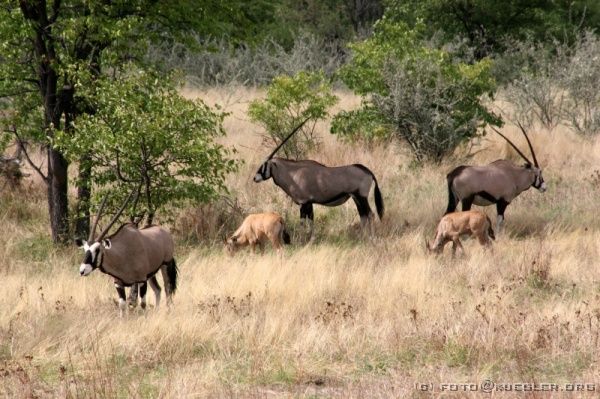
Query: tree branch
55, 9
29, 161
119, 174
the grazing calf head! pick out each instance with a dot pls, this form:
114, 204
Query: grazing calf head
433, 249
231, 245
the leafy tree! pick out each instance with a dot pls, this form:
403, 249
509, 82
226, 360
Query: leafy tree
144, 133
333, 20
416, 93
487, 24
289, 101
50, 50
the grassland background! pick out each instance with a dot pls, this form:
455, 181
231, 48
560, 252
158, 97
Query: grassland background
347, 316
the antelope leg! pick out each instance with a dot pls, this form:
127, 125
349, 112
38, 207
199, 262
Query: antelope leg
122, 299
307, 214
133, 295
156, 288
143, 289
467, 202
364, 210
500, 208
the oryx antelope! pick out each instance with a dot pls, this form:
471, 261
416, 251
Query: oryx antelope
497, 183
309, 182
131, 255
455, 224
256, 229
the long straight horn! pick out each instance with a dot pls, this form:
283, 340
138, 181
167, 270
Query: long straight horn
117, 215
98, 215
511, 143
287, 138
529, 143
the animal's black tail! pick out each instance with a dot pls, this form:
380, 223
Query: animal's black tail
490, 229
378, 198
286, 237
452, 200
172, 272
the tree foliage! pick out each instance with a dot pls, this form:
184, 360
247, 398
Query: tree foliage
333, 20
290, 100
144, 133
51, 50
487, 24
414, 92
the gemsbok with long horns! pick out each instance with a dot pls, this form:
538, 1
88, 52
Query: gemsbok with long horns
131, 256
496, 183
309, 182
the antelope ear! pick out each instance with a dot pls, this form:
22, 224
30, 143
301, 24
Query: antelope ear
106, 243
79, 242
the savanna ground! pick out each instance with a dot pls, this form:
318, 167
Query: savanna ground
347, 316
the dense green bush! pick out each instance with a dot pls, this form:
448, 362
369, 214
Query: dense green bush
145, 132
418, 94
289, 101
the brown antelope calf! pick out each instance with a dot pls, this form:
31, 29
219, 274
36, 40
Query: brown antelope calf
453, 225
256, 229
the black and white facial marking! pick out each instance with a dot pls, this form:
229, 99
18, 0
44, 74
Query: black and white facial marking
263, 173
93, 255
538, 181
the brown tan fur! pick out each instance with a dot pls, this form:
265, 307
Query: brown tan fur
256, 230
453, 225
136, 253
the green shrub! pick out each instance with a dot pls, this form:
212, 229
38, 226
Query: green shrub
417, 94
291, 100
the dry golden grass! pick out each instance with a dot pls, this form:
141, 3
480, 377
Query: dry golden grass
347, 316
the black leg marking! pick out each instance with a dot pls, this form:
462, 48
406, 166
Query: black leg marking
501, 207
143, 289
364, 210
467, 202
121, 292
306, 211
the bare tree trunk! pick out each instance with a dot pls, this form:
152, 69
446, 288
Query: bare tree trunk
57, 196
38, 13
